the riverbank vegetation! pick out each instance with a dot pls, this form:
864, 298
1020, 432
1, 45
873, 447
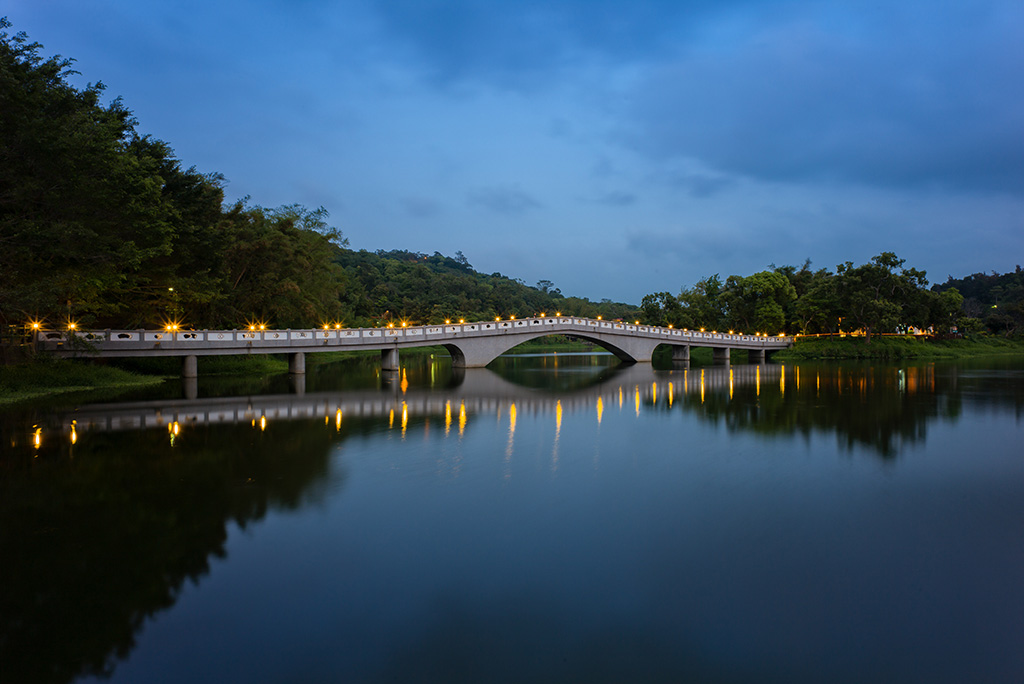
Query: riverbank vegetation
881, 296
898, 347
27, 381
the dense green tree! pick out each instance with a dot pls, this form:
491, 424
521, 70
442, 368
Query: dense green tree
875, 295
757, 302
82, 208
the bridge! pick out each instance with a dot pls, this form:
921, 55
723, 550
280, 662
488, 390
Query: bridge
471, 345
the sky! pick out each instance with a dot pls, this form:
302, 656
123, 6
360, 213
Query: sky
615, 148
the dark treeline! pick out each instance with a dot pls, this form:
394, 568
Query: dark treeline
881, 296
991, 301
103, 226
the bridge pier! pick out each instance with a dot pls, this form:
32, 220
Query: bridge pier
756, 355
297, 363
680, 352
189, 367
720, 356
389, 359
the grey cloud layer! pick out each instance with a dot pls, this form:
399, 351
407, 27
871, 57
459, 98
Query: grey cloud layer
920, 94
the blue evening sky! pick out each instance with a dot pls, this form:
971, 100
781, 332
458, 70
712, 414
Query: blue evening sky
614, 147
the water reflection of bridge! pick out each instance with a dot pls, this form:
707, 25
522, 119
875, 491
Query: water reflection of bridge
476, 391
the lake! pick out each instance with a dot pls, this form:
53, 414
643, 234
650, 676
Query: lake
553, 518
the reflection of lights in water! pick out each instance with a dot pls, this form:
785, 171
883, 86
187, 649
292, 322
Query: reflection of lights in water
37, 438
391, 419
757, 380
622, 397
558, 432
702, 385
173, 430
405, 382
654, 392
798, 378
782, 380
337, 420
74, 434
671, 393
600, 410
447, 417
730, 383
405, 418
686, 380
511, 437
462, 418
263, 423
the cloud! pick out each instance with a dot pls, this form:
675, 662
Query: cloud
506, 200
896, 105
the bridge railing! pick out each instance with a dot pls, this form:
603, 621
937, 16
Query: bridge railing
112, 340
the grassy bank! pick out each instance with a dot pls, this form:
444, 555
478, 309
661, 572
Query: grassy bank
897, 348
26, 381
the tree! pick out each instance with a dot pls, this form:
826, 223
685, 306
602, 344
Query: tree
873, 296
757, 302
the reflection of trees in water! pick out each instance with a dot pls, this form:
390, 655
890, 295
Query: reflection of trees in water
880, 408
555, 373
98, 537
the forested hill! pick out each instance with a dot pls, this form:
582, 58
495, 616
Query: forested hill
101, 225
399, 285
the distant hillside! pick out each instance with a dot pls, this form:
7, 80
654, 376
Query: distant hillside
399, 285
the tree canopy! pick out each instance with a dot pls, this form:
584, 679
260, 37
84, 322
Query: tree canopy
880, 296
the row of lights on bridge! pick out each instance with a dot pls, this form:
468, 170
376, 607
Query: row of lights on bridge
175, 326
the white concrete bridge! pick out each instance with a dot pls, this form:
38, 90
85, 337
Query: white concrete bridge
471, 345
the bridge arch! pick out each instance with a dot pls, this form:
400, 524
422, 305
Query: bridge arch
476, 352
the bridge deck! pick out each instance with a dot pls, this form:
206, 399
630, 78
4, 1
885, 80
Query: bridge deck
127, 343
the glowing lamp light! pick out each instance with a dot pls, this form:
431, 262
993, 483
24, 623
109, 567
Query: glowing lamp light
447, 321
462, 320
72, 325
558, 313
497, 318
598, 318
670, 325
702, 329
404, 323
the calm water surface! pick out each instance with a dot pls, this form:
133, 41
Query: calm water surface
553, 518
